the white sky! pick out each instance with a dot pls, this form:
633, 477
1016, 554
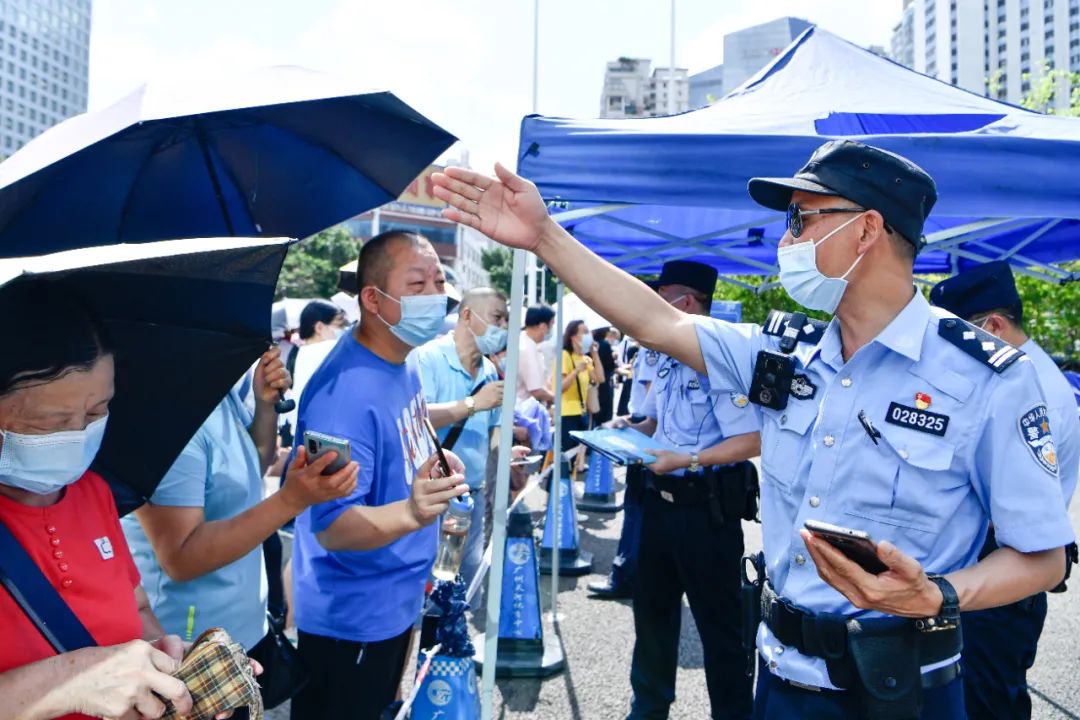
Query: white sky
466, 64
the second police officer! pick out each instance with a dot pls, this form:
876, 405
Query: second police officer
1000, 643
695, 497
895, 419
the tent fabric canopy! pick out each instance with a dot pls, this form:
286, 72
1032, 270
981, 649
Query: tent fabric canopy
643, 191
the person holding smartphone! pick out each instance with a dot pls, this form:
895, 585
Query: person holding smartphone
198, 541
464, 394
360, 562
895, 419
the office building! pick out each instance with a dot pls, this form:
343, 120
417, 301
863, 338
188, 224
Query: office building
632, 88
993, 47
44, 56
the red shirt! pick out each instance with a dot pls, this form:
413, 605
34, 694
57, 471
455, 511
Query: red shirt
77, 543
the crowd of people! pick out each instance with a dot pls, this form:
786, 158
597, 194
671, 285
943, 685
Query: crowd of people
968, 499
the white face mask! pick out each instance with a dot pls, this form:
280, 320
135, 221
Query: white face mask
492, 340
803, 281
43, 464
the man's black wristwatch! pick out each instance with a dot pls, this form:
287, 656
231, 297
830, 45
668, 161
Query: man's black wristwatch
948, 618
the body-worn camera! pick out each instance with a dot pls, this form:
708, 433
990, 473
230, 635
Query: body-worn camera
773, 372
771, 384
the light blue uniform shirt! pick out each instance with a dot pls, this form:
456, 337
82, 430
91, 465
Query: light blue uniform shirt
1061, 408
219, 472
930, 495
689, 415
445, 380
646, 363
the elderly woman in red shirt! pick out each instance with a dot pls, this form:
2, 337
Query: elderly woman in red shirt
56, 380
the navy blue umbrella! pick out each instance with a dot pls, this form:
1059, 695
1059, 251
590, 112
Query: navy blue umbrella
275, 152
188, 318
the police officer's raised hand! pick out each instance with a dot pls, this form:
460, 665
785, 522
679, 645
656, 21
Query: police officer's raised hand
432, 492
902, 590
618, 423
507, 208
305, 485
490, 396
668, 461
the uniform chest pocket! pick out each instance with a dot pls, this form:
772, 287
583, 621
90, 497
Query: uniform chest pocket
913, 483
785, 434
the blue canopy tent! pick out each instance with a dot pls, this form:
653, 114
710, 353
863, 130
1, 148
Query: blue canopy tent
640, 192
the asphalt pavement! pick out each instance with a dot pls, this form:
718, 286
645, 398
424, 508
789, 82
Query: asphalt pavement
597, 638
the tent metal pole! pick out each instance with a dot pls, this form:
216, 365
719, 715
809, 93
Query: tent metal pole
502, 489
1050, 269
676, 241
1022, 270
1031, 238
556, 475
568, 215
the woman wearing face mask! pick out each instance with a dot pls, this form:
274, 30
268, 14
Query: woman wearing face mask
55, 388
580, 367
321, 324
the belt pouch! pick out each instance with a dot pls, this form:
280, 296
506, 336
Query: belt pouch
886, 661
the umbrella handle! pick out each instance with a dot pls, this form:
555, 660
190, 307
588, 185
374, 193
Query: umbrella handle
284, 404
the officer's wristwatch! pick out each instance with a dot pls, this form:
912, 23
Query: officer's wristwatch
695, 463
948, 618
470, 405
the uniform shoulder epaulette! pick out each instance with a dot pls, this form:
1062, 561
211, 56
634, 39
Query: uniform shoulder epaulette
991, 351
777, 323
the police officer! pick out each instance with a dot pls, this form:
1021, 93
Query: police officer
895, 420
1000, 643
691, 532
621, 580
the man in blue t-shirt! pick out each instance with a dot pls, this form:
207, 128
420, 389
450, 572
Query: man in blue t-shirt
360, 563
464, 393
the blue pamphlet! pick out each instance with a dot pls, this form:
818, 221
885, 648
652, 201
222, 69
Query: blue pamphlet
625, 446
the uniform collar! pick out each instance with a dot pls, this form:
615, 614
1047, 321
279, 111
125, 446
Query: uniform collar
904, 335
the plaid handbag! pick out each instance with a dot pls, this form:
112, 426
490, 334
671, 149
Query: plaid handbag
219, 677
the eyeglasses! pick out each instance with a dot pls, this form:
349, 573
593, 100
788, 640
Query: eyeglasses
795, 215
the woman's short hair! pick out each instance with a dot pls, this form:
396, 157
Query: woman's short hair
569, 334
51, 333
317, 311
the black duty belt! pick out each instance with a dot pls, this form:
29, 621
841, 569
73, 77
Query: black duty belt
688, 489
825, 635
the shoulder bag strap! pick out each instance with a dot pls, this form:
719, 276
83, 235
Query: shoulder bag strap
33, 592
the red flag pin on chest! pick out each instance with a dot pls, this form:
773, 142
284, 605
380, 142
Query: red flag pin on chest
922, 400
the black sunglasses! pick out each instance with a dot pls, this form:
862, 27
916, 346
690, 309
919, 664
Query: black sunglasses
795, 215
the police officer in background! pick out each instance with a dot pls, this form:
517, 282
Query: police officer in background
691, 534
895, 419
1000, 643
622, 579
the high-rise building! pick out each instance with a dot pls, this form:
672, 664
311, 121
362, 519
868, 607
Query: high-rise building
633, 89
745, 52
44, 56
993, 47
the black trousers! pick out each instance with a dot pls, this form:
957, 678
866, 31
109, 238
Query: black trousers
999, 649
349, 680
571, 422
683, 550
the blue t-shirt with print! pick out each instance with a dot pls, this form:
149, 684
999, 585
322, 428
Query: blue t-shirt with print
369, 595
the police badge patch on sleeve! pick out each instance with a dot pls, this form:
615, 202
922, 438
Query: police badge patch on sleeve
802, 388
652, 357
1035, 430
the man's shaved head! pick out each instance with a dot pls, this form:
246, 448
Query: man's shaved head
377, 257
479, 299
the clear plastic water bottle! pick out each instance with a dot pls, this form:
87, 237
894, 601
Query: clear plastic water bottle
454, 531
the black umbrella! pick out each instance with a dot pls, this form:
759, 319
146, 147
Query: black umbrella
187, 317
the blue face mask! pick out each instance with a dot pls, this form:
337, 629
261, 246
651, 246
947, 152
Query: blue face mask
803, 281
586, 343
421, 320
492, 340
43, 464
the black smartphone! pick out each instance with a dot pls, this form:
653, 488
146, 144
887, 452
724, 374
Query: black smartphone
856, 545
318, 444
438, 448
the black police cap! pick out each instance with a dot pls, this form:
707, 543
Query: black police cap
981, 289
694, 275
874, 178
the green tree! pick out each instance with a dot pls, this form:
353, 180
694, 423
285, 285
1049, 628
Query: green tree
499, 264
311, 266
